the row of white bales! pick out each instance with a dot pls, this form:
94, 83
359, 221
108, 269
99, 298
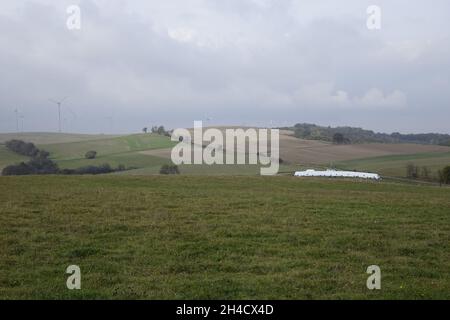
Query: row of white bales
337, 173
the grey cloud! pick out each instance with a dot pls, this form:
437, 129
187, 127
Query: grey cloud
172, 62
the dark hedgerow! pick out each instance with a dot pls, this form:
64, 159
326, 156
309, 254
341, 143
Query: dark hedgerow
34, 166
101, 169
46, 166
169, 169
20, 169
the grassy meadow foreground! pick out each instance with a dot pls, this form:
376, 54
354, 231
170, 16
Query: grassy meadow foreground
201, 237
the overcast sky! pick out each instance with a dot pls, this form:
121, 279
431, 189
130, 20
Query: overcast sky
139, 63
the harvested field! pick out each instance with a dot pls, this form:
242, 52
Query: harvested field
299, 151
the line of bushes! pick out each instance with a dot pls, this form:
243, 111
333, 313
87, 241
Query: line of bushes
46, 166
424, 173
169, 169
34, 166
158, 130
101, 169
27, 149
23, 148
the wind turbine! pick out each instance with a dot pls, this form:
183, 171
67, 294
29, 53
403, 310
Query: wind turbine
59, 111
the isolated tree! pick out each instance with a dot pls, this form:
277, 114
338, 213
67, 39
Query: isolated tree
161, 130
144, 130
412, 171
90, 154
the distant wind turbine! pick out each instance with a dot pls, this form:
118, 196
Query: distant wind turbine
59, 111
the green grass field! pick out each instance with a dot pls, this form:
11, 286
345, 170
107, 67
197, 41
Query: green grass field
193, 237
68, 150
110, 147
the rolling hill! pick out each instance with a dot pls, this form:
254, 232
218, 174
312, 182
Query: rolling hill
145, 153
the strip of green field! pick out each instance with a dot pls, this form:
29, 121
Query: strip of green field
128, 159
114, 151
395, 165
192, 237
125, 144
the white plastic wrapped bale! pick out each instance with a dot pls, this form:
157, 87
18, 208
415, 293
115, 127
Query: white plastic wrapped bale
336, 173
